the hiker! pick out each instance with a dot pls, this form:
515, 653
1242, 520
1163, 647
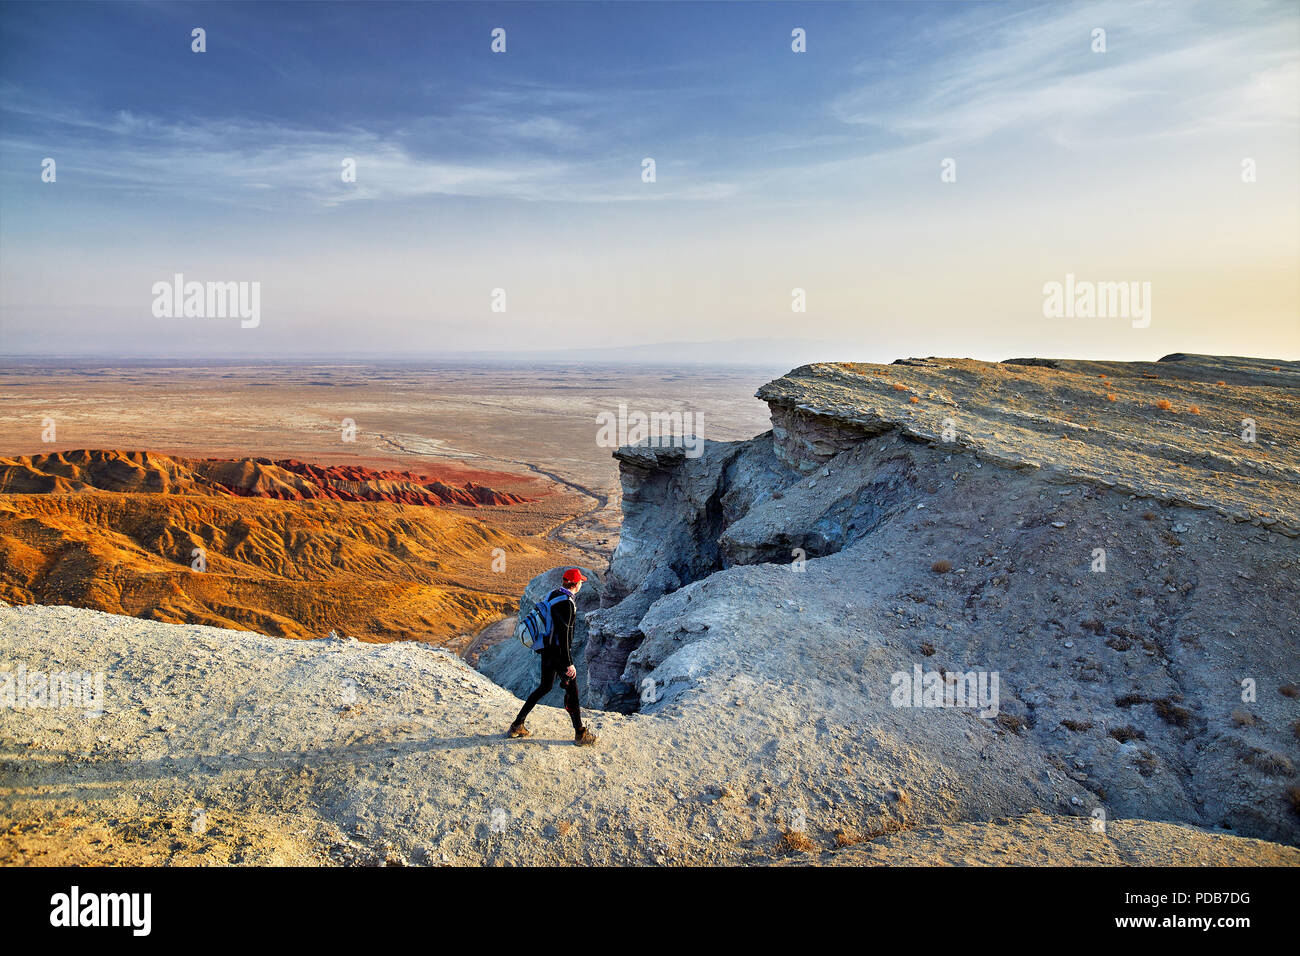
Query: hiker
557, 660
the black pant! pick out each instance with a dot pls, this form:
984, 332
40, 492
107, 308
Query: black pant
550, 670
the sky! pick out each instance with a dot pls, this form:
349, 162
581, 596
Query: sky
829, 171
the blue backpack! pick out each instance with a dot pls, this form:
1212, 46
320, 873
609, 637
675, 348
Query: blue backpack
536, 628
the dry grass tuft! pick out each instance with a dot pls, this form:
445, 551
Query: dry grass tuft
1194, 409
1126, 734
796, 841
1273, 764
942, 567
1244, 718
888, 827
1110, 397
1011, 722
1171, 713
1289, 690
847, 837
1165, 405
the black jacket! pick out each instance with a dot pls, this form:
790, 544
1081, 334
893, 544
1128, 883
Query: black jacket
559, 649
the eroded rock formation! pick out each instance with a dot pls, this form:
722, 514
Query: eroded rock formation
282, 548
1108, 538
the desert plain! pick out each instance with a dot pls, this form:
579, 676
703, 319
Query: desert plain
531, 435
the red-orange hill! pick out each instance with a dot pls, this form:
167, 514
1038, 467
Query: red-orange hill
359, 483
118, 530
284, 479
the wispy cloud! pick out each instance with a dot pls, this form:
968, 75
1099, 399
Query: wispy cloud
517, 141
1169, 68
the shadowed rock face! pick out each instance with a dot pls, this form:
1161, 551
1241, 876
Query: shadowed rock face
1122, 566
675, 512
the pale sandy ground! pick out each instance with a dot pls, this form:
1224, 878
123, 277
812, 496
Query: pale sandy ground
1037, 839
220, 747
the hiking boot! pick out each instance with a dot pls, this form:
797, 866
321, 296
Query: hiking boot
584, 738
517, 730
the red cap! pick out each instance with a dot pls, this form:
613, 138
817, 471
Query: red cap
573, 576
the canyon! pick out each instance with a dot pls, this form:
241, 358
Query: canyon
741, 649
280, 547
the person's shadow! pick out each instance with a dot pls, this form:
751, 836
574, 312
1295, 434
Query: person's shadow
86, 777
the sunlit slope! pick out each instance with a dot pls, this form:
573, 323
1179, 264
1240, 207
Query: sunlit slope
294, 568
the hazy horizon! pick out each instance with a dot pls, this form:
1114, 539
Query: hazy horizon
759, 355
